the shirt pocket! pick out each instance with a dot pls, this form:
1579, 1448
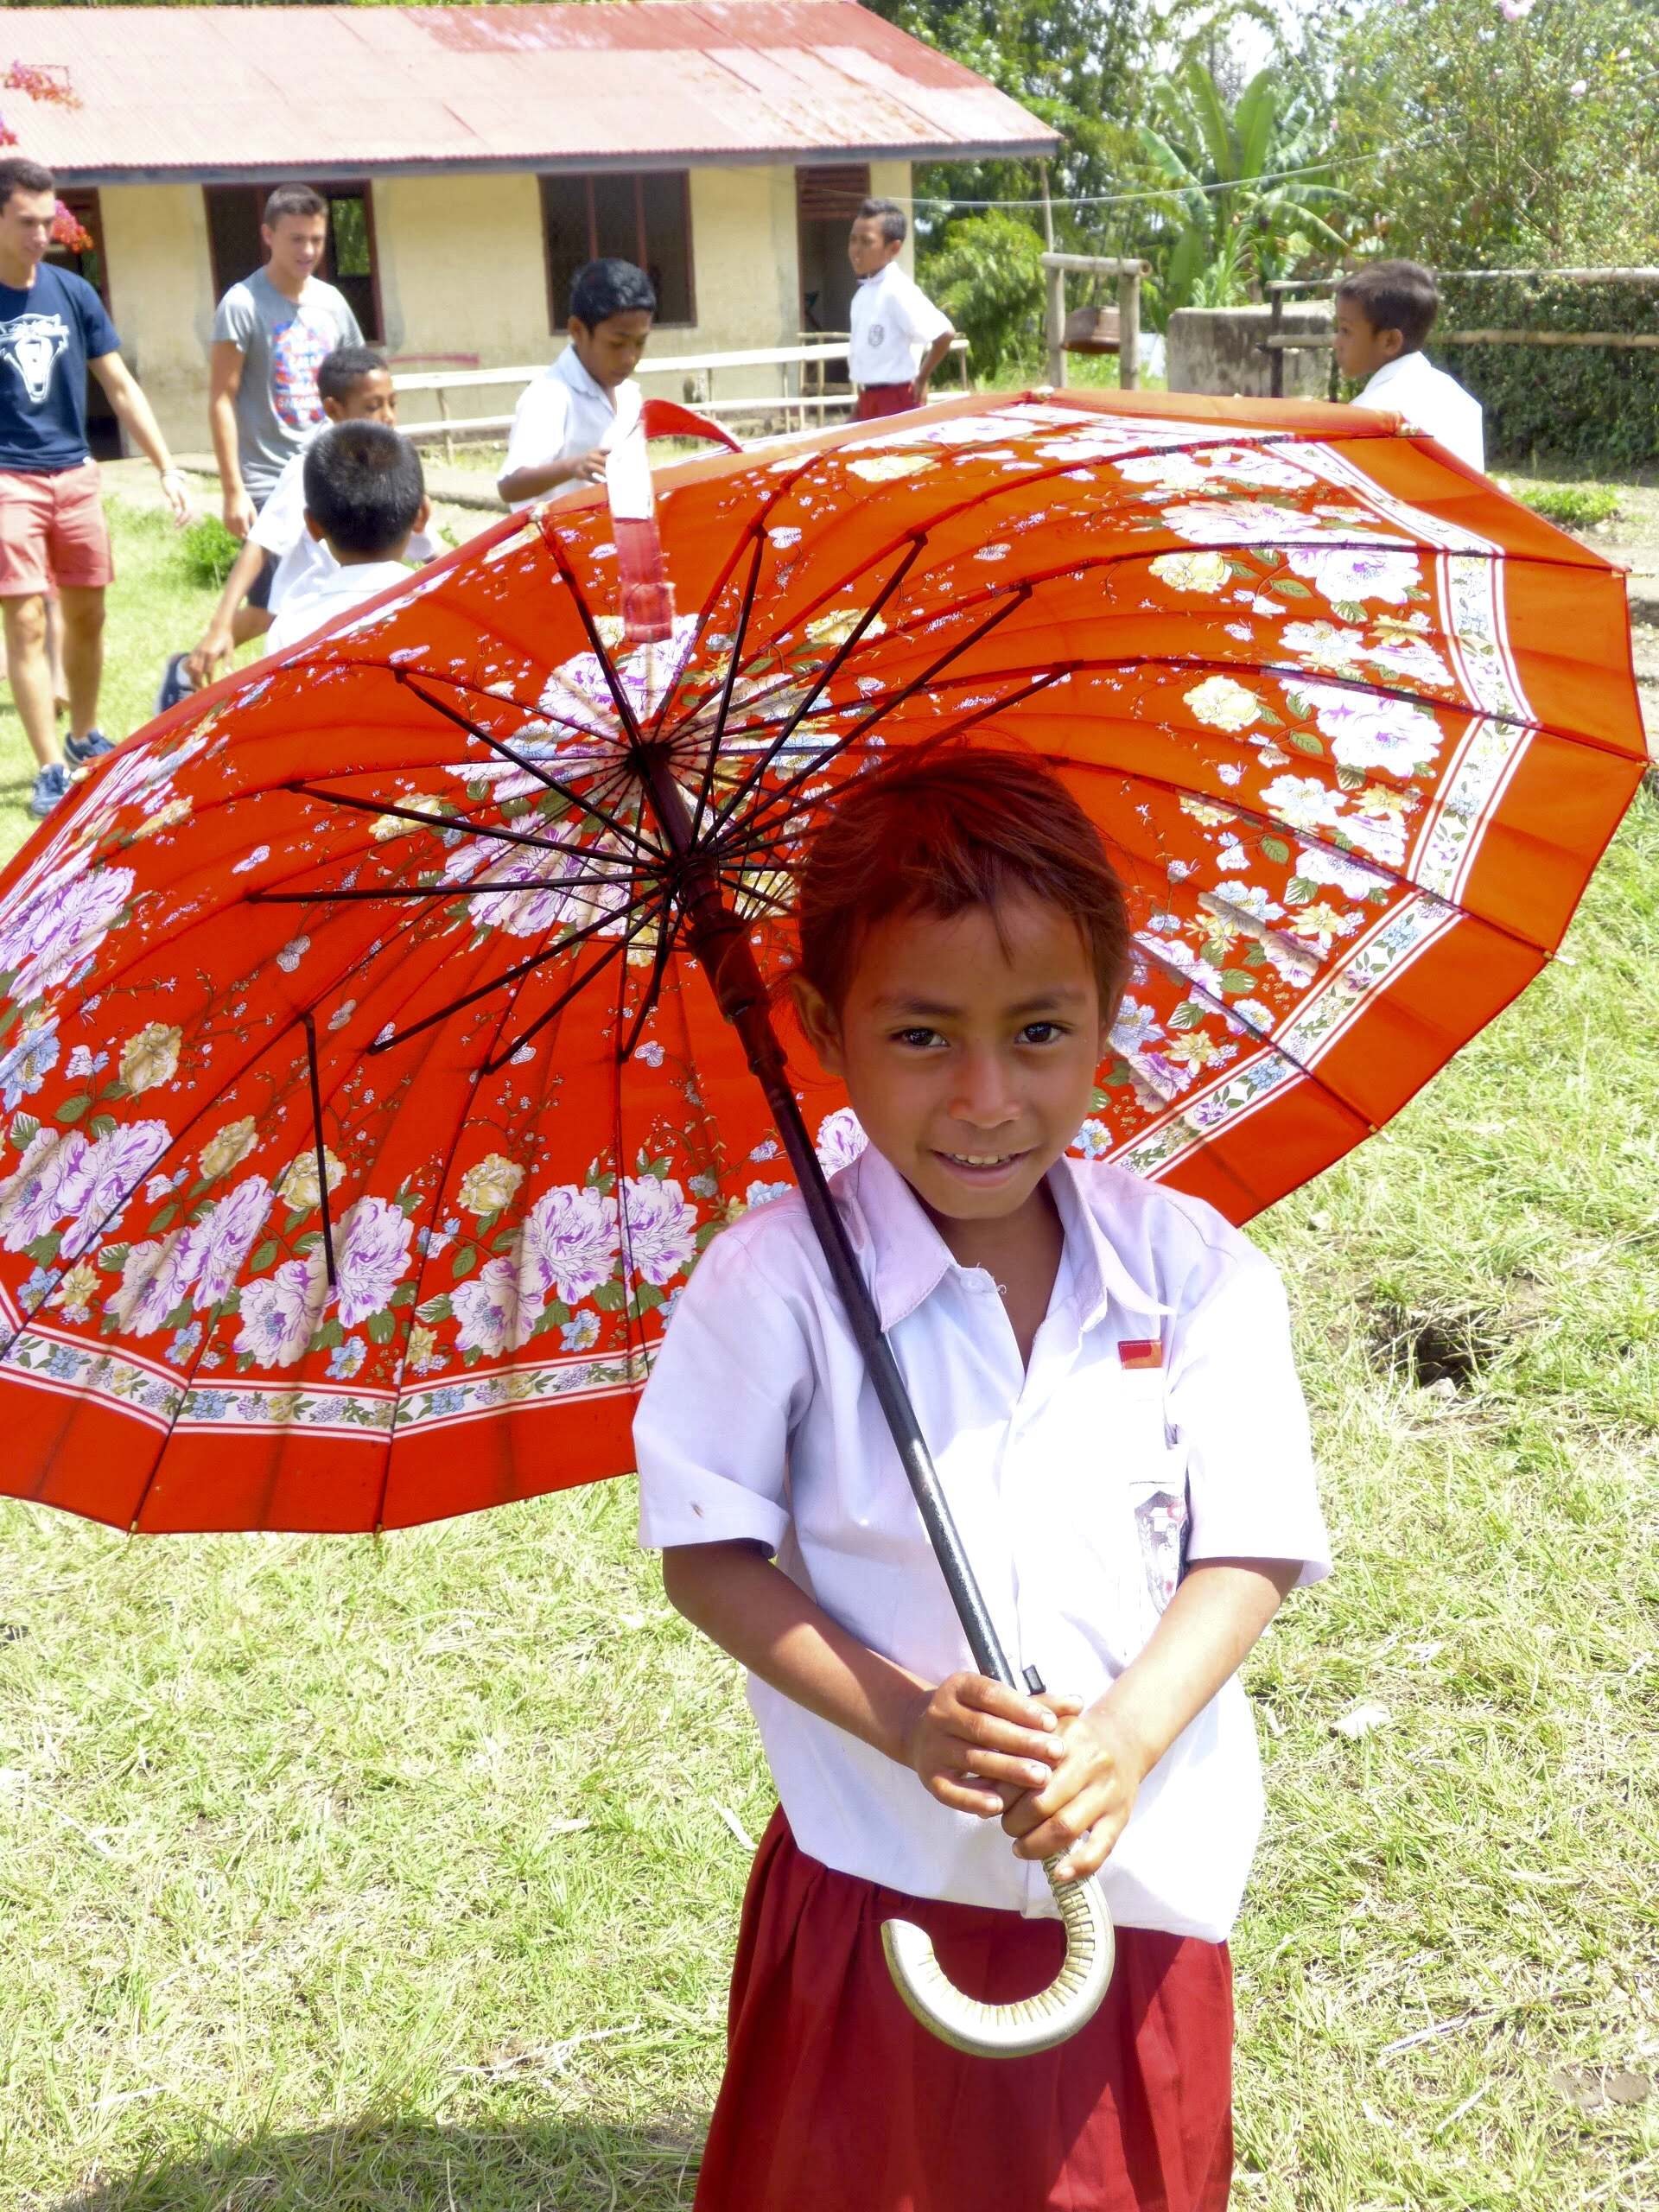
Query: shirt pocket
1119, 1512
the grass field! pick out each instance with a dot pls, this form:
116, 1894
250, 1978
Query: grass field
362, 1876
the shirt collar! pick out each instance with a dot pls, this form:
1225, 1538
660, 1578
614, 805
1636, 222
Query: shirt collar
569, 370
1404, 364
909, 1259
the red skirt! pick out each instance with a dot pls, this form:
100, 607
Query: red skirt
878, 399
835, 2099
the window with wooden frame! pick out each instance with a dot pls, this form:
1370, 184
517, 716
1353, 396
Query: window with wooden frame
235, 211
638, 215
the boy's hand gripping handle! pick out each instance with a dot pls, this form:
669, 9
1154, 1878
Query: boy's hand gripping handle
1033, 2023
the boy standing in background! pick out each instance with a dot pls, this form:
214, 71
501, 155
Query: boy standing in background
568, 420
271, 333
1384, 314
899, 336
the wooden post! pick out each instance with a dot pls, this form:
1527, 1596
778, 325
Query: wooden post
1128, 326
443, 416
1276, 358
1056, 326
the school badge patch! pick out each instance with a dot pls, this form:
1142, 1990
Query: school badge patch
1160, 1523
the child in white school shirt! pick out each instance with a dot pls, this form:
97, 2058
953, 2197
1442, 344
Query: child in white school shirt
1101, 1368
1384, 312
568, 420
365, 498
899, 336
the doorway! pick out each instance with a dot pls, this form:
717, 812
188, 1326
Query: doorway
826, 201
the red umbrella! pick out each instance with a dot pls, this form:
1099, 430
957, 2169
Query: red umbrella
371, 1034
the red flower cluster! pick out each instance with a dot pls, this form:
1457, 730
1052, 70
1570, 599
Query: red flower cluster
36, 80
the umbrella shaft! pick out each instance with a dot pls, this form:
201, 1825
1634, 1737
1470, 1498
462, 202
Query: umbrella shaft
721, 942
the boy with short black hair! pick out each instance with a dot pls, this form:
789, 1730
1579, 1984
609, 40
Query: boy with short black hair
354, 383
1383, 315
568, 420
365, 498
899, 336
271, 334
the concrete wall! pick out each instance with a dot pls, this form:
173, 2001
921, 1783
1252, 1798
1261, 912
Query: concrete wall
462, 271
161, 298
1215, 350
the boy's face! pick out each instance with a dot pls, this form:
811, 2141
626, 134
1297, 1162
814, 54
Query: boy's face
370, 399
868, 249
26, 223
1361, 348
969, 1048
295, 243
610, 350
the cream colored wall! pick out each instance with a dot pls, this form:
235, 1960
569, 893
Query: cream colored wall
161, 297
891, 180
462, 271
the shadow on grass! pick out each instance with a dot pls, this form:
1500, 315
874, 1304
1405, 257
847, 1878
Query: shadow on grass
416, 2165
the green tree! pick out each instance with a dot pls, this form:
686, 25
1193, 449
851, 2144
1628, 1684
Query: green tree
1248, 193
1488, 133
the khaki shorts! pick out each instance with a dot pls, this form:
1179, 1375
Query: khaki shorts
53, 532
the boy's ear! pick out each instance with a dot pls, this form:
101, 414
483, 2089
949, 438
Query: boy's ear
424, 515
315, 526
1392, 341
333, 410
576, 329
818, 1018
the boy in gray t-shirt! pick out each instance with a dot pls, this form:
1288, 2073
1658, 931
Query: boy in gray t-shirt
270, 333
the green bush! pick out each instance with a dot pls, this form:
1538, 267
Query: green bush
209, 551
985, 272
1594, 404
1571, 506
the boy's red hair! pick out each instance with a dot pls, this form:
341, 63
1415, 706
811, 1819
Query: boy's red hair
941, 827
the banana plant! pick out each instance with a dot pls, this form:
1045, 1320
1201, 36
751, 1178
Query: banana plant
1241, 193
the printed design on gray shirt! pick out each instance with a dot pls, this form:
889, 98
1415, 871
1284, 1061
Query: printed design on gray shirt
298, 353
32, 343
1160, 1523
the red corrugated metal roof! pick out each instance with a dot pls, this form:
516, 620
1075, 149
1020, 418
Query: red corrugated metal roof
192, 92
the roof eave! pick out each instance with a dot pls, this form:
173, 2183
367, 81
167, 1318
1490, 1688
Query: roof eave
987, 150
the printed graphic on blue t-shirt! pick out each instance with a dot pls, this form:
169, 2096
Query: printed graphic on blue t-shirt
48, 334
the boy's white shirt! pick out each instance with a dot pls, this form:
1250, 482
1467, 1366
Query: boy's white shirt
893, 323
1075, 1485
303, 561
566, 412
307, 611
1430, 400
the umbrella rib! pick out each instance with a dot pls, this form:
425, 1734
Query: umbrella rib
825, 676
441, 822
653, 989
309, 1022
1017, 598
706, 782
504, 1053
625, 712
515, 974
528, 767
783, 846
323, 896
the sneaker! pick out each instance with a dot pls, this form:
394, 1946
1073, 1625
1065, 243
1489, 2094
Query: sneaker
175, 683
78, 750
51, 786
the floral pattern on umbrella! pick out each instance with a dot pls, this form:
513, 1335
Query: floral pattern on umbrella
361, 1087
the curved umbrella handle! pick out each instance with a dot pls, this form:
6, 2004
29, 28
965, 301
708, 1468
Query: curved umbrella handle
1033, 2023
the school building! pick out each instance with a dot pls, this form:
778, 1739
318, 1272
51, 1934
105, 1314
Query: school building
474, 157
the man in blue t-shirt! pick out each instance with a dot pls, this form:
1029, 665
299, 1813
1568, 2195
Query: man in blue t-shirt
52, 330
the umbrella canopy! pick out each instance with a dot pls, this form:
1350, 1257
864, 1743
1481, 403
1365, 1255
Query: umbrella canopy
365, 1104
